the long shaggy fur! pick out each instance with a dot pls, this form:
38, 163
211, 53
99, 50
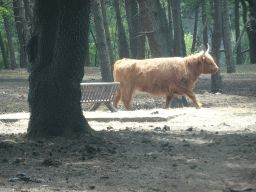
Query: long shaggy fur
174, 76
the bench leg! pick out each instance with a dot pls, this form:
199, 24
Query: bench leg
111, 107
95, 106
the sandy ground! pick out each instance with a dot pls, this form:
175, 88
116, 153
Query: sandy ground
210, 149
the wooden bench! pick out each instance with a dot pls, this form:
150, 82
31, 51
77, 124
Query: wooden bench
99, 93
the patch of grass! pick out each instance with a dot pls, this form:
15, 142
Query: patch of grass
13, 75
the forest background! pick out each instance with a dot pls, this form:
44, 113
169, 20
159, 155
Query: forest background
127, 26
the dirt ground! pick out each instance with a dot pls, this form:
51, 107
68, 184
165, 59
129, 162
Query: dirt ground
207, 149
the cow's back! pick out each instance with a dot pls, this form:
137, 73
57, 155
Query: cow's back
154, 76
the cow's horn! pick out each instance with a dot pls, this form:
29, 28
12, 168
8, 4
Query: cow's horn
204, 49
207, 52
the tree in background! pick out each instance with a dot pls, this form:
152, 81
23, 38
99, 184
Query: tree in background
156, 27
4, 13
195, 29
141, 32
238, 51
170, 22
204, 20
131, 8
102, 48
251, 30
176, 15
6, 63
124, 51
57, 53
227, 39
216, 43
9, 38
22, 31
107, 33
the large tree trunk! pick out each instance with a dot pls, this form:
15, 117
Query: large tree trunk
131, 7
105, 22
22, 30
216, 43
195, 30
123, 47
57, 53
9, 39
227, 39
6, 63
237, 17
102, 48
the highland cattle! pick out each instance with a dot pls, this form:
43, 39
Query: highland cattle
169, 77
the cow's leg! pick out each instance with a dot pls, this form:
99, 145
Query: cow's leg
168, 101
126, 97
192, 96
117, 97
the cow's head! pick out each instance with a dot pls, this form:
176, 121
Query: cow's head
208, 64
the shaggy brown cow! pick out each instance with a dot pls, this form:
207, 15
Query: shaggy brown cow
174, 76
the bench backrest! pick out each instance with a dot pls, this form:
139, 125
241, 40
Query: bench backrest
98, 92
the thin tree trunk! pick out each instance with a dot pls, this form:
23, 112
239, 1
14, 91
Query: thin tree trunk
105, 22
227, 39
170, 26
123, 44
176, 14
216, 43
57, 53
141, 34
237, 17
28, 12
6, 63
131, 7
102, 48
204, 15
195, 30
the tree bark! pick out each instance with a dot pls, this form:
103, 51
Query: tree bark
57, 53
195, 30
237, 28
156, 28
141, 34
216, 43
123, 47
6, 63
102, 48
28, 13
9, 39
176, 14
170, 26
204, 16
131, 7
227, 39
105, 22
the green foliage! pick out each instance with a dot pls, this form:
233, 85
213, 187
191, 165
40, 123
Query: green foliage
4, 12
188, 41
